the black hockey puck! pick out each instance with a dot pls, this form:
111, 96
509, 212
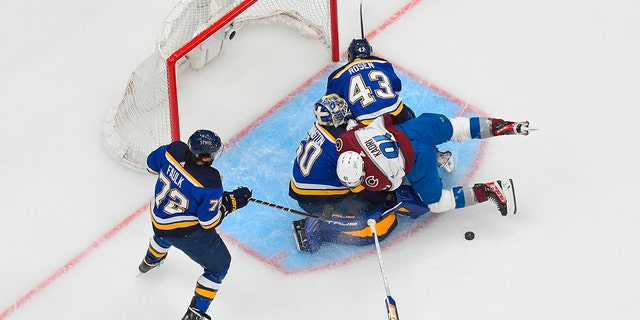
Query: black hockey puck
469, 235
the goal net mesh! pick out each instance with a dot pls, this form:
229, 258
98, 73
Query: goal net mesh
192, 35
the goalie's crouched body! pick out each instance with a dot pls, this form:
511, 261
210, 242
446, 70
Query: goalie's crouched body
316, 187
346, 220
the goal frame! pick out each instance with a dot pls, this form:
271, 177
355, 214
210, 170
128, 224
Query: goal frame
193, 34
172, 74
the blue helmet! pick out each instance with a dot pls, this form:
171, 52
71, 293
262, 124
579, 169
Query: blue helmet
331, 110
359, 48
205, 143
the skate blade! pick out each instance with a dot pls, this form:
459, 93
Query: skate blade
298, 229
445, 161
510, 194
524, 129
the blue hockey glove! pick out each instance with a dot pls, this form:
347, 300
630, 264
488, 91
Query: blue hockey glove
235, 199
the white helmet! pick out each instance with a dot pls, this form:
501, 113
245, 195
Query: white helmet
350, 169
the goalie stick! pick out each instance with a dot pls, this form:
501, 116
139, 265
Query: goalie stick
392, 310
327, 211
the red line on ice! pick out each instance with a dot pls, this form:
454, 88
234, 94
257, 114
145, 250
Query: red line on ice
124, 223
72, 263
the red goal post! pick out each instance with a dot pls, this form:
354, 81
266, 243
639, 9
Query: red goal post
193, 34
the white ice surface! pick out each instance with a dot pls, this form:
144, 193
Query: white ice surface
570, 67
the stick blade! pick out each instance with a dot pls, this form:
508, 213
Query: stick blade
327, 212
392, 310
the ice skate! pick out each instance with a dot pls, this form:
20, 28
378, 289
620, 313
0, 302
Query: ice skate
445, 161
195, 314
307, 234
300, 235
500, 127
148, 264
500, 192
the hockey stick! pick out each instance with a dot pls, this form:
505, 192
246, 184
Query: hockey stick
392, 310
361, 23
326, 212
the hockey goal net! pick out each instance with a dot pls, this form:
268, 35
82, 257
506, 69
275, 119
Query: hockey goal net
193, 34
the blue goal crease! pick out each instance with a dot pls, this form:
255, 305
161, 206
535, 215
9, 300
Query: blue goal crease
263, 159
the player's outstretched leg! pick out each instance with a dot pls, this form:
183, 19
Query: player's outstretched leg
501, 192
482, 128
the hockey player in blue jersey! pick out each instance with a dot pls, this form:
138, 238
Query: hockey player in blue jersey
189, 204
369, 84
315, 185
371, 88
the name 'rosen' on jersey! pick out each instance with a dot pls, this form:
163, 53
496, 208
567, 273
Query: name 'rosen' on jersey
360, 66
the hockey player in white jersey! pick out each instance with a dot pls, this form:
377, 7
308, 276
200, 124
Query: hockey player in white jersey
379, 156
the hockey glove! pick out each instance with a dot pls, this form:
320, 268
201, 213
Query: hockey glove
238, 198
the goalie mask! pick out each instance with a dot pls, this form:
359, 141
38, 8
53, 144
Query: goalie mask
331, 110
205, 143
359, 48
350, 169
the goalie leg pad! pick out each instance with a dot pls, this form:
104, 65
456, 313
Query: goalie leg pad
354, 230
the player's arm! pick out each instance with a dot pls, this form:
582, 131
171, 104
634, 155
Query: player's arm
155, 160
211, 215
234, 200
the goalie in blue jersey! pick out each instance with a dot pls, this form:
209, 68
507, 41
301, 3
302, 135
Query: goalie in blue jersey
189, 204
317, 188
372, 89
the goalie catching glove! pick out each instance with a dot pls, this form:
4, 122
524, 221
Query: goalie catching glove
236, 199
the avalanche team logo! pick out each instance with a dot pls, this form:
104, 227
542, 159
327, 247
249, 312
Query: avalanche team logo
372, 182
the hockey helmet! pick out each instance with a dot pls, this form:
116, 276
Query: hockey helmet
331, 110
205, 143
350, 169
359, 48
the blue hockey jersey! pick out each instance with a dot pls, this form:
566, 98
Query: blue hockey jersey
370, 86
314, 169
187, 196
